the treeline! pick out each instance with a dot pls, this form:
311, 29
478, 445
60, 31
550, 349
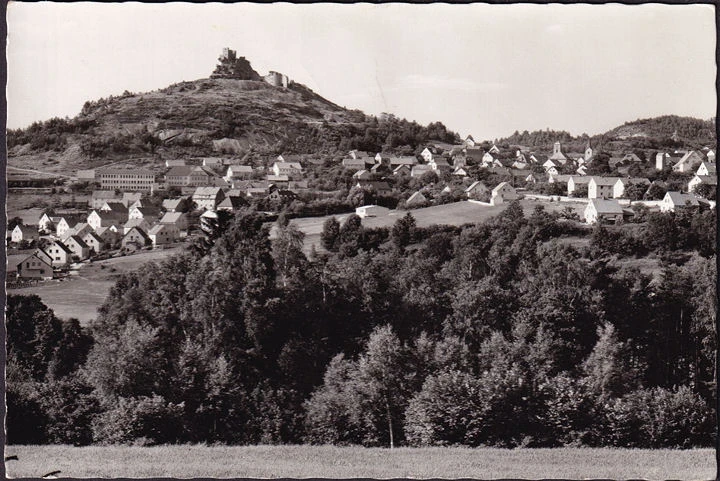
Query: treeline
496, 334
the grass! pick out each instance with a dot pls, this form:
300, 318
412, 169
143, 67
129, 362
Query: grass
457, 213
80, 296
187, 461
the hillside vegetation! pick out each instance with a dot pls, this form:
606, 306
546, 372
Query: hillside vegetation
184, 119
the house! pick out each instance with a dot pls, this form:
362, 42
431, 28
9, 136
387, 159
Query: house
33, 266
78, 247
380, 169
354, 164
557, 156
94, 242
189, 176
172, 205
59, 253
601, 187
415, 200
621, 184
80, 229
582, 170
135, 238
232, 203
488, 159
678, 200
179, 219
460, 172
66, 223
558, 179
174, 162
283, 195
162, 234
602, 210
710, 154
99, 197
98, 219
358, 154
588, 154
707, 168
688, 162
494, 149
405, 160
238, 172
502, 193
439, 164
402, 170
427, 155
132, 223
631, 157
291, 169
576, 181
371, 211
520, 165
109, 235
24, 233
48, 223
469, 141
207, 198
420, 169
296, 185
702, 180
150, 214
130, 199
549, 164
115, 206
478, 191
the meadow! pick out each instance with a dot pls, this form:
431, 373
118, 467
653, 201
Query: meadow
456, 213
187, 461
80, 295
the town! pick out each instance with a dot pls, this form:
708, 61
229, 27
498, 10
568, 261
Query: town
137, 208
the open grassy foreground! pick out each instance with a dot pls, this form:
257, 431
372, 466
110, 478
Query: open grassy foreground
350, 462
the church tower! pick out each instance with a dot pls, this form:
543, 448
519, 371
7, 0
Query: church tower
588, 151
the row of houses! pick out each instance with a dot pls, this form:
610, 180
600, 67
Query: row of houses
610, 210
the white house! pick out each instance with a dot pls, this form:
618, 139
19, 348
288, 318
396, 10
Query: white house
678, 200
416, 199
478, 191
291, 169
601, 187
503, 192
59, 253
701, 180
23, 233
688, 162
238, 172
576, 181
426, 155
707, 168
420, 169
162, 234
621, 184
603, 210
371, 211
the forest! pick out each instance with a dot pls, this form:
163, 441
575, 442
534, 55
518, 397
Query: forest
505, 333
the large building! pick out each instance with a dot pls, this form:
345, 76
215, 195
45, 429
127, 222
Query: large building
139, 180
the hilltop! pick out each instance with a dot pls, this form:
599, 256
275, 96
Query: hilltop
234, 112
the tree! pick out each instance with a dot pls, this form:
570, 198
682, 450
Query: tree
403, 231
607, 369
330, 235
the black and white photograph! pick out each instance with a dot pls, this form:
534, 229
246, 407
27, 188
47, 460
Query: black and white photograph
361, 241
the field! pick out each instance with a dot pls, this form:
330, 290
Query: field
187, 461
457, 213
80, 295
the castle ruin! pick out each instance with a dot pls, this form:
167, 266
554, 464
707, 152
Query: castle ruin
233, 67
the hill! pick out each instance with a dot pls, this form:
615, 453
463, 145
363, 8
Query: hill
211, 117
665, 132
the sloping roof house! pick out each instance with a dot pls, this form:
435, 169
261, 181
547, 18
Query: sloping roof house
603, 210
678, 200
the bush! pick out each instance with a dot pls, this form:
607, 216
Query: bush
660, 418
143, 421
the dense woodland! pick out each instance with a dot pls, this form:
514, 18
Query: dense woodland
506, 333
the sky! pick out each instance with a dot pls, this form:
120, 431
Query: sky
484, 70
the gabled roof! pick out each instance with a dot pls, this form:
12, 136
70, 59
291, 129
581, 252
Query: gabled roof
117, 206
475, 185
606, 206
93, 236
135, 222
278, 178
405, 160
604, 180
680, 199
171, 217
580, 179
501, 186
27, 230
375, 184
232, 202
139, 231
147, 211
707, 179
288, 165
207, 191
240, 168
711, 167
416, 197
134, 171
171, 203
78, 240
157, 228
62, 246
